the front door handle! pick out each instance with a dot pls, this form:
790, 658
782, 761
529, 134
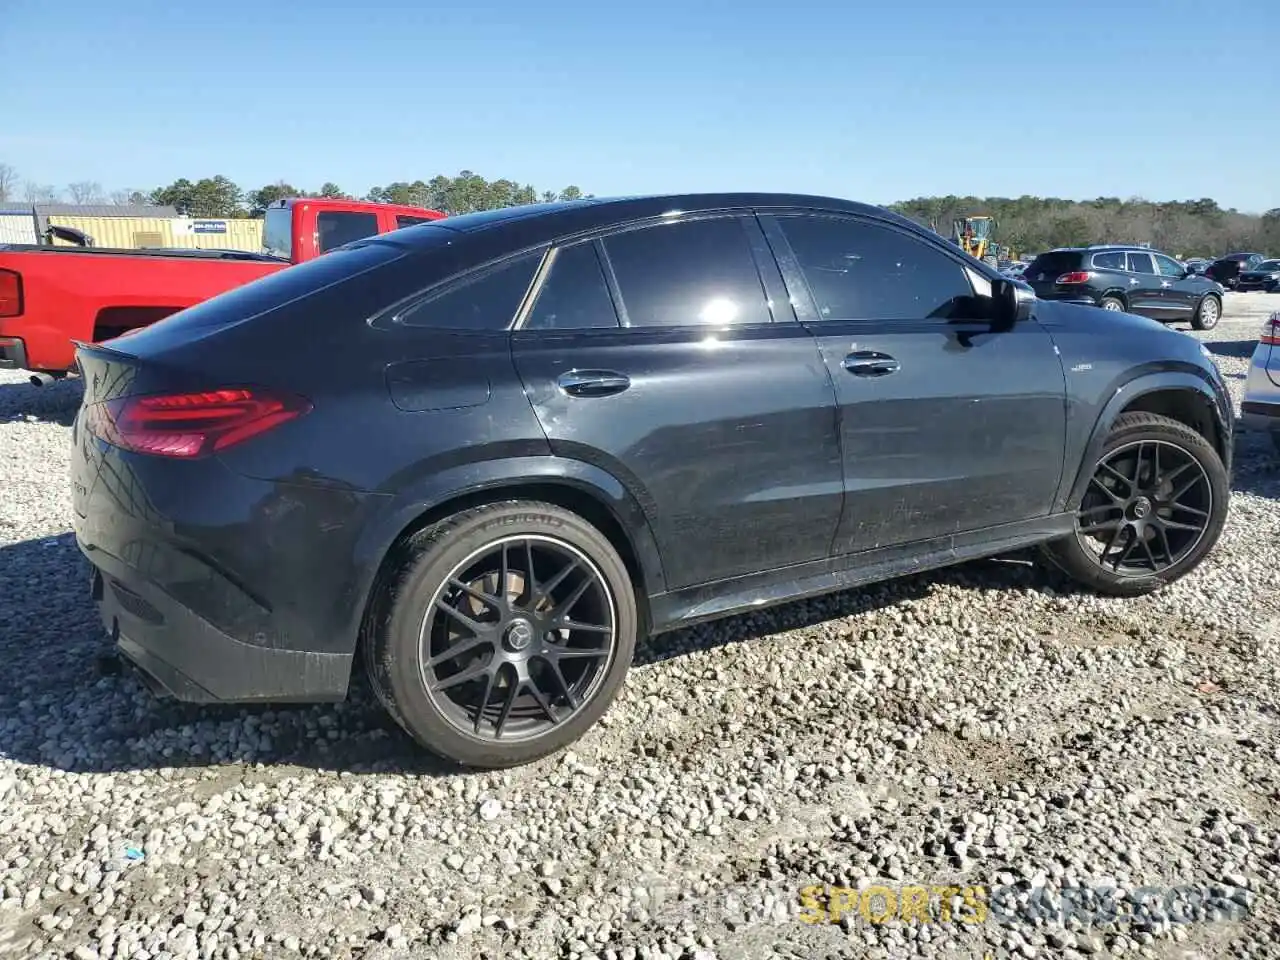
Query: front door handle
592, 383
871, 363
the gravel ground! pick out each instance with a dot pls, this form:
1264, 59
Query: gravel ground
984, 727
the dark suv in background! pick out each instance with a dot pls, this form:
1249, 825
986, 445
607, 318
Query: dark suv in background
1226, 270
1264, 276
1130, 279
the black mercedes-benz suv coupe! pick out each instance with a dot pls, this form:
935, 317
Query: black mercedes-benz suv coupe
486, 456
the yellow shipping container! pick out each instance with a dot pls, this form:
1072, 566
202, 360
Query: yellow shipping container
136, 233
121, 232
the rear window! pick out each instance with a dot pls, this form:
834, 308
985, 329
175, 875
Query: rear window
277, 289
1059, 261
277, 232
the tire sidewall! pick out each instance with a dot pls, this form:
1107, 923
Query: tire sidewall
1109, 299
417, 589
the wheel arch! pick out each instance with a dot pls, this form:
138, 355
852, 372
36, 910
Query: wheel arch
583, 489
1115, 293
1184, 397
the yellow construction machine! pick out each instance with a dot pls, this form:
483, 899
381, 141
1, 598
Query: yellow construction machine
975, 236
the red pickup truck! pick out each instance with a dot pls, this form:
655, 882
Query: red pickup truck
50, 296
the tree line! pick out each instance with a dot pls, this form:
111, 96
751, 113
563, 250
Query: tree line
1184, 228
219, 197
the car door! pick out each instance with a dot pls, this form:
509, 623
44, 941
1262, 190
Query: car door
652, 353
1145, 292
1179, 292
946, 425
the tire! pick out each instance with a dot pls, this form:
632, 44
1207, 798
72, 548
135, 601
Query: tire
1196, 462
399, 664
1208, 313
1112, 303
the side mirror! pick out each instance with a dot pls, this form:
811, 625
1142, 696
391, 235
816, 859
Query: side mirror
1014, 302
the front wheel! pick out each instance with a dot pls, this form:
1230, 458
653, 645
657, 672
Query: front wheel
506, 633
1208, 313
1155, 506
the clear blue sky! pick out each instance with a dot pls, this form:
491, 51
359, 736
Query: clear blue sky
868, 100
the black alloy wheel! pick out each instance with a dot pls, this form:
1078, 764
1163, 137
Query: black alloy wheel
502, 633
517, 638
1148, 504
1153, 505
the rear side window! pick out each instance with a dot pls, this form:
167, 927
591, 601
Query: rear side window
1111, 260
484, 300
688, 272
1141, 263
404, 220
574, 295
337, 228
859, 270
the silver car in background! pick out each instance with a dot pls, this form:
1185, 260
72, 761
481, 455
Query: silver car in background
1260, 409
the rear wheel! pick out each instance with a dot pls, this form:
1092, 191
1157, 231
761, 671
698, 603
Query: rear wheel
1208, 313
507, 633
1112, 303
1154, 508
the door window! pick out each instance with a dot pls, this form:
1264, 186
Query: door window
1141, 263
575, 294
337, 228
857, 270
484, 300
404, 220
688, 272
1168, 267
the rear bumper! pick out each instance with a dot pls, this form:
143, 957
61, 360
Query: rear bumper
190, 659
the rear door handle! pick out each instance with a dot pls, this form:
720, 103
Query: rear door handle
871, 363
592, 383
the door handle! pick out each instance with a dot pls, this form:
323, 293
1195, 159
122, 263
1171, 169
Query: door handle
592, 383
871, 363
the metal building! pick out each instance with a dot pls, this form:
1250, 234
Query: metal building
17, 224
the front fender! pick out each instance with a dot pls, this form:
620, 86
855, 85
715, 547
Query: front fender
1141, 383
429, 492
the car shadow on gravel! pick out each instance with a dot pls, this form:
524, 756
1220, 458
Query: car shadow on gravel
69, 703
56, 402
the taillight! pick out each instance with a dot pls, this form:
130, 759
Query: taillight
10, 293
196, 424
1075, 276
1271, 330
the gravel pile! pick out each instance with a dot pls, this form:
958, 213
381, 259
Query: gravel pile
1029, 756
